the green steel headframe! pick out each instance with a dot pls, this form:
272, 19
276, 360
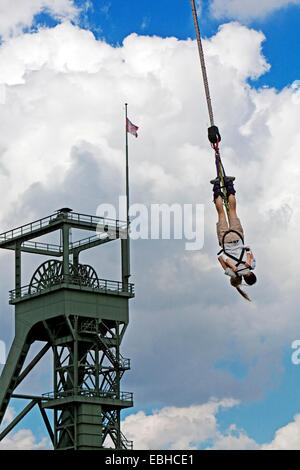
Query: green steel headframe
82, 319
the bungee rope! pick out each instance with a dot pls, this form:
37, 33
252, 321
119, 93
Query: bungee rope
202, 61
213, 132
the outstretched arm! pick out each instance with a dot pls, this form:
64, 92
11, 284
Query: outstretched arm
228, 264
222, 262
232, 266
228, 267
249, 258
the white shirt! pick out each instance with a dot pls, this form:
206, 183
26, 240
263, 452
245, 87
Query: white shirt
235, 249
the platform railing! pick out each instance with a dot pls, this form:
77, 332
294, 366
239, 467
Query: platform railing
91, 220
27, 228
124, 396
99, 285
42, 246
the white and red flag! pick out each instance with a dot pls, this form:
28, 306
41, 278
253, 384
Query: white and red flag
131, 128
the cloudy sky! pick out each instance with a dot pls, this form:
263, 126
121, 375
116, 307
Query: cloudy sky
209, 371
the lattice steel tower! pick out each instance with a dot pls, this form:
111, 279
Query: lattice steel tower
83, 320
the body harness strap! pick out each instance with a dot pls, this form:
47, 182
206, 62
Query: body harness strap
237, 260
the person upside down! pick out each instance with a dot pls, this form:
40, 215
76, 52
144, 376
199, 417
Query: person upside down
236, 259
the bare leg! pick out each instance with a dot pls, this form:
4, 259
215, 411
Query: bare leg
220, 209
232, 207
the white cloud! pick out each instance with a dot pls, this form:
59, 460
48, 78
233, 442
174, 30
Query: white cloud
195, 426
52, 82
174, 428
233, 439
15, 15
231, 52
248, 9
287, 437
23, 440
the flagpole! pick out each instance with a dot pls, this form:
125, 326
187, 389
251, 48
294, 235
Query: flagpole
125, 243
127, 170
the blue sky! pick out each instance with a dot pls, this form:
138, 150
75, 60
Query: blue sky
273, 404
275, 409
114, 20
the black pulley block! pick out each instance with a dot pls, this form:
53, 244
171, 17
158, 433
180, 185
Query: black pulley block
214, 135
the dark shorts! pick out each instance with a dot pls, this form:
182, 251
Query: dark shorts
223, 227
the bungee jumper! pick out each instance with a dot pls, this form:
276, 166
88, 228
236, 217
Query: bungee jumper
235, 257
